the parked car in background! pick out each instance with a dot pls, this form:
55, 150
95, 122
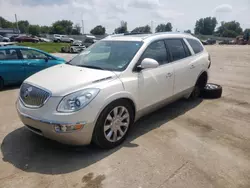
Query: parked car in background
41, 39
98, 95
13, 37
75, 47
18, 63
4, 39
62, 38
26, 39
208, 42
88, 42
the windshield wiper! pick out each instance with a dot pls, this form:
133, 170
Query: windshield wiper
91, 67
68, 62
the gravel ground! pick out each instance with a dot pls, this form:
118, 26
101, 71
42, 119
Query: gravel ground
198, 144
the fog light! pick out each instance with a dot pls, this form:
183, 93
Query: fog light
68, 128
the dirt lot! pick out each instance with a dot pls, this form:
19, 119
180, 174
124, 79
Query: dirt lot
198, 144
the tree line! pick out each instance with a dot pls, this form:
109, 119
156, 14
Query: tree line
58, 27
203, 26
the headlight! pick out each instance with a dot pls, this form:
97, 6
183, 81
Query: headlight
78, 100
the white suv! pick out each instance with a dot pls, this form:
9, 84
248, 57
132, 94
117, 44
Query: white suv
99, 94
62, 38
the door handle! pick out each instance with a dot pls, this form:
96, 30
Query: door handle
192, 66
169, 75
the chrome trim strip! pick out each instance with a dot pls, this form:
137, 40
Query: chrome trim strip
48, 121
39, 87
103, 79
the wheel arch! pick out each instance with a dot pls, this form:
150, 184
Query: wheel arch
202, 79
117, 97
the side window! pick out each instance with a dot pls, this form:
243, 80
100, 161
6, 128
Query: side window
196, 45
176, 49
8, 54
32, 54
156, 51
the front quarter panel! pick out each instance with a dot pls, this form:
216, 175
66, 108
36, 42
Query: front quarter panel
110, 92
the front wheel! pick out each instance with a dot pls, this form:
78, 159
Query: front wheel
113, 124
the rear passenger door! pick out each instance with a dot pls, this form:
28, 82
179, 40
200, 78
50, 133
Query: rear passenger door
184, 66
11, 66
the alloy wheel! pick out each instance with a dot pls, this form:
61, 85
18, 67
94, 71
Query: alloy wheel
116, 124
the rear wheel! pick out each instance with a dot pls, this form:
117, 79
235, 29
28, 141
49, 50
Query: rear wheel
195, 93
1, 84
200, 84
113, 124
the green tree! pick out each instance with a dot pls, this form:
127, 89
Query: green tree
62, 27
205, 26
246, 34
23, 26
122, 29
188, 31
76, 30
164, 27
34, 30
98, 30
45, 29
142, 29
5, 23
229, 29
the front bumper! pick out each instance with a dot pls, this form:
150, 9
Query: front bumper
46, 128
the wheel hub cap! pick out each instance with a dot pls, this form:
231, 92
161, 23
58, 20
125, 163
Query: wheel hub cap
116, 124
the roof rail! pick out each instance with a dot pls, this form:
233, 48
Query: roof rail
136, 33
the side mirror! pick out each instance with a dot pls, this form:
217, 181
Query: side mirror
149, 63
46, 59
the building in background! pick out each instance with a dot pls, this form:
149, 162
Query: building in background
8, 31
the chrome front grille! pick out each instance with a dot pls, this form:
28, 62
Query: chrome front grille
32, 96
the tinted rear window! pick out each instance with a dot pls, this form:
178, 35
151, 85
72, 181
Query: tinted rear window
176, 49
196, 45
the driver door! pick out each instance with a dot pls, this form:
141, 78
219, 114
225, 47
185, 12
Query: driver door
34, 61
155, 85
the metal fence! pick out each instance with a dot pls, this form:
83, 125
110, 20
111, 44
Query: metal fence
77, 37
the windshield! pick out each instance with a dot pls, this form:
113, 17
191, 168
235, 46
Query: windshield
108, 55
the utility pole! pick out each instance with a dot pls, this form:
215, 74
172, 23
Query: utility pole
152, 26
82, 27
17, 24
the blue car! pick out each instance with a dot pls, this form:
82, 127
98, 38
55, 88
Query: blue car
18, 63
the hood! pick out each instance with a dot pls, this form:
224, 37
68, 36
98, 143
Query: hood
64, 79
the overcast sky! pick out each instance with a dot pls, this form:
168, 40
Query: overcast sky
181, 13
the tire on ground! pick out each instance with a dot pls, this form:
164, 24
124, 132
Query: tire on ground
211, 91
98, 137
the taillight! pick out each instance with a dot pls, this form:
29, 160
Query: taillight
209, 59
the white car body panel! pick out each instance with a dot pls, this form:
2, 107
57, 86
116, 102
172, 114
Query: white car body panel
147, 89
78, 78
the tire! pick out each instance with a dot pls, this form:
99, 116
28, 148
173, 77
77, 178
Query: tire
211, 91
106, 139
62, 50
71, 51
1, 84
58, 40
